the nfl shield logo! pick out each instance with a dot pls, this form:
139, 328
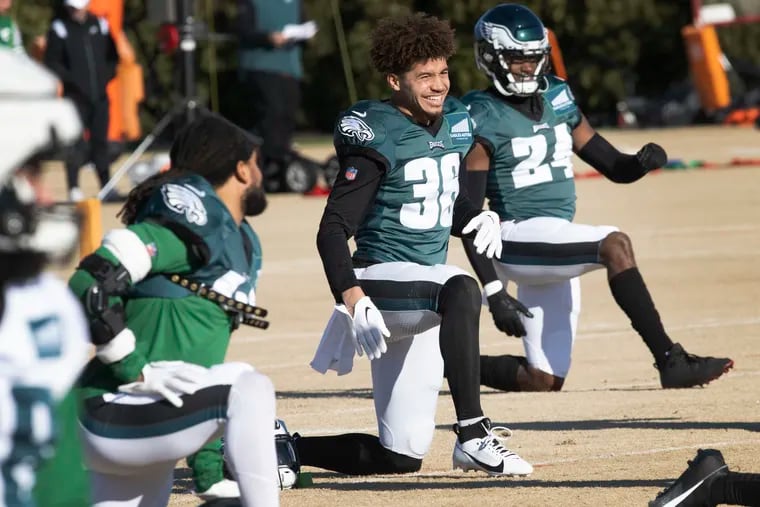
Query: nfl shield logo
351, 173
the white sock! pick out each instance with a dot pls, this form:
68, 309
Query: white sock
249, 439
468, 422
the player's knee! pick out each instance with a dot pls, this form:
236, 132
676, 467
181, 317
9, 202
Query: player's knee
460, 293
617, 248
228, 373
252, 385
402, 464
541, 381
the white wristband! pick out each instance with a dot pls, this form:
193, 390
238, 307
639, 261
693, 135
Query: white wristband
118, 348
492, 288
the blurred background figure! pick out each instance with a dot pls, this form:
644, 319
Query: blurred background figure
271, 34
44, 340
10, 36
81, 52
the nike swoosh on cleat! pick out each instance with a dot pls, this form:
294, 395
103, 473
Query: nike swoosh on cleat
683, 496
490, 468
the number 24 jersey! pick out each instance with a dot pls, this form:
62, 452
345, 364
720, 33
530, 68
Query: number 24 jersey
531, 172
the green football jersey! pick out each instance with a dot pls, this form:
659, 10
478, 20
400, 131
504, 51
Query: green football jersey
190, 207
531, 172
169, 322
411, 216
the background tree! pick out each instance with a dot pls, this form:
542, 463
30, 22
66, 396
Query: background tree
612, 49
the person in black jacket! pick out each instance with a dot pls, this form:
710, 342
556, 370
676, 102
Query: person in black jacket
81, 52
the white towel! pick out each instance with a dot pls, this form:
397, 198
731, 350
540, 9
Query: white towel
336, 348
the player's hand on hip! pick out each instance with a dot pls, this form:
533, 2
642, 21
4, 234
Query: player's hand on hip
506, 312
370, 331
169, 379
652, 156
488, 236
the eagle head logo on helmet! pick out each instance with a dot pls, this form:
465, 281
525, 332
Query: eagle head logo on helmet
509, 33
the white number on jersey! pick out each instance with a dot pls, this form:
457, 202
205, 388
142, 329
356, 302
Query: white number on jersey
531, 171
438, 188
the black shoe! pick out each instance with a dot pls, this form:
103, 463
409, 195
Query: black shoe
682, 369
692, 488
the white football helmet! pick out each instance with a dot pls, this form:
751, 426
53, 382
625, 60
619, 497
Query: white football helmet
33, 120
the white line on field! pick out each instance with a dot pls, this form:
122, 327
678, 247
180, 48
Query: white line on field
607, 456
644, 452
593, 331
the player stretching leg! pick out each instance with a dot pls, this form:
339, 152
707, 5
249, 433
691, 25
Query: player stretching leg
163, 296
400, 192
527, 126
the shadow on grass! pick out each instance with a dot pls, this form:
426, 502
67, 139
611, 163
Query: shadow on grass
363, 394
662, 423
324, 480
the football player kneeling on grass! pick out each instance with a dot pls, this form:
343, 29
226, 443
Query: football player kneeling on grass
163, 296
527, 125
400, 191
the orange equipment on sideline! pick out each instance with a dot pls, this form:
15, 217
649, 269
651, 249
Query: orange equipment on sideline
705, 63
126, 91
558, 63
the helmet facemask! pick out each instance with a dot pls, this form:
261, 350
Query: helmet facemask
497, 48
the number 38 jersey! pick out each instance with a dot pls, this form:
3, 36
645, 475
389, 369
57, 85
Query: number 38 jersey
531, 171
410, 219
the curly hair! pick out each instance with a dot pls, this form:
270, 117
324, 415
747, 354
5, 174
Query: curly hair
400, 42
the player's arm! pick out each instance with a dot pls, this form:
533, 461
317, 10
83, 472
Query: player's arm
619, 167
476, 163
504, 308
347, 205
465, 208
103, 278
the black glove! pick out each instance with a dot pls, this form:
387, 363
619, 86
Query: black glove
506, 312
652, 156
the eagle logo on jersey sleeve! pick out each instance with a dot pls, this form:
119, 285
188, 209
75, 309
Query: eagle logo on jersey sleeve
351, 126
186, 200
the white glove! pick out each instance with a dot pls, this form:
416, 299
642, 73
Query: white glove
169, 379
369, 331
488, 238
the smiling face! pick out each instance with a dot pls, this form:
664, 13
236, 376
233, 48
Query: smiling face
420, 91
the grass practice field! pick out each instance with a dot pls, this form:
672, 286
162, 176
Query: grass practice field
612, 437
